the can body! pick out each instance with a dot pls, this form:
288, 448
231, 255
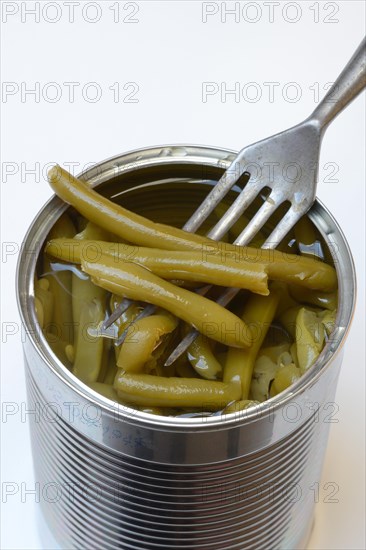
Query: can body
116, 478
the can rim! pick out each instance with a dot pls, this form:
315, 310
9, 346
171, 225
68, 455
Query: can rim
178, 154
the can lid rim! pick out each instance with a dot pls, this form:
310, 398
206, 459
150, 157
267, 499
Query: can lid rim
180, 153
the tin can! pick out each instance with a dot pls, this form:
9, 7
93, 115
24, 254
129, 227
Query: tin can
113, 477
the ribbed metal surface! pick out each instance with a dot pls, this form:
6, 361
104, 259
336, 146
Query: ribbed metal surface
223, 484
95, 498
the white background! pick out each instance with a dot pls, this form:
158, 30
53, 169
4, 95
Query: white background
169, 52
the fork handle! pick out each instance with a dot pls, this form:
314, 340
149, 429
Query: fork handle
348, 85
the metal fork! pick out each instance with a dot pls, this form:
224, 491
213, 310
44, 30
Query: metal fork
287, 163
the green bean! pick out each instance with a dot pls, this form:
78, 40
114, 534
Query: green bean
89, 349
328, 319
280, 266
184, 369
268, 362
326, 300
107, 390
284, 377
286, 301
45, 303
258, 314
92, 231
105, 359
60, 284
83, 292
293, 351
135, 282
115, 218
310, 335
154, 410
275, 352
158, 391
70, 353
58, 347
187, 266
264, 372
111, 370
39, 311
142, 339
240, 406
288, 320
202, 359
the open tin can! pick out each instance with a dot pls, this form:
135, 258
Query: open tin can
113, 477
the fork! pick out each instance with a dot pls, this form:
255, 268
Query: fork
288, 165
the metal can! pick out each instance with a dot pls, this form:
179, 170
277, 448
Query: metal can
120, 478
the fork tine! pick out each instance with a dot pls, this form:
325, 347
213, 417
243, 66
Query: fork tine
121, 308
217, 193
244, 199
259, 219
283, 227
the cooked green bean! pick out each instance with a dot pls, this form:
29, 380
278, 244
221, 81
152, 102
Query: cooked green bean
70, 353
187, 266
258, 314
286, 301
58, 347
155, 410
293, 351
39, 311
115, 218
264, 372
328, 319
111, 370
60, 284
203, 360
280, 266
184, 369
83, 292
134, 281
93, 232
158, 391
240, 406
45, 303
142, 339
269, 360
310, 335
288, 320
107, 390
105, 359
89, 349
284, 377
326, 300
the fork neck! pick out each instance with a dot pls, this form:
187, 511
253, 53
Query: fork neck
348, 85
